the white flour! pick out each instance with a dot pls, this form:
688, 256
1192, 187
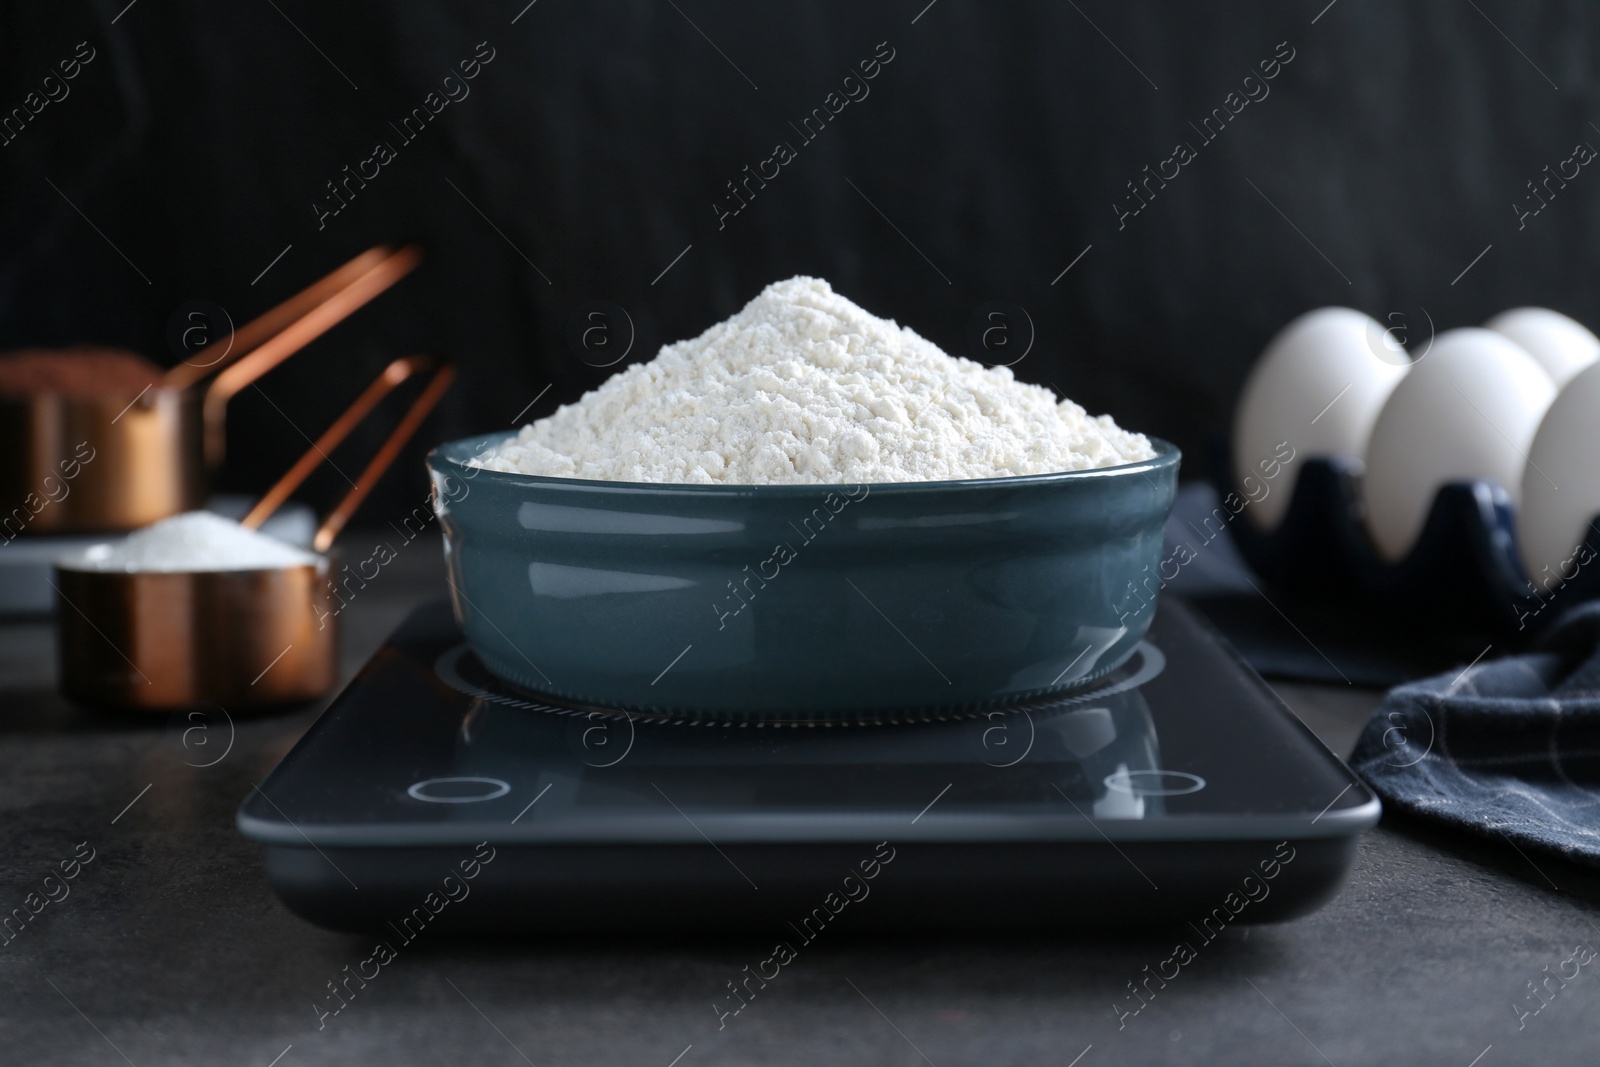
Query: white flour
803, 386
193, 541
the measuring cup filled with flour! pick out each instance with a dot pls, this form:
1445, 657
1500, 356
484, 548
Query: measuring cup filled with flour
198, 608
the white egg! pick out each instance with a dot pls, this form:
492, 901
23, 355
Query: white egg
1561, 484
1562, 346
1315, 391
1467, 411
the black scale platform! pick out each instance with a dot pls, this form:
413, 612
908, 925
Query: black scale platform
1177, 787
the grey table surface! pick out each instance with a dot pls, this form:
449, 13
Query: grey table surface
171, 949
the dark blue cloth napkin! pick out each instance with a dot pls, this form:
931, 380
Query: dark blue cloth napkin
1507, 747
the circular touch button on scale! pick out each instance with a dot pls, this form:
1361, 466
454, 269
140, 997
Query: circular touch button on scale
458, 790
1155, 783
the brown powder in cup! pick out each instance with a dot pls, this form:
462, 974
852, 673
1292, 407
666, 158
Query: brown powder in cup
82, 370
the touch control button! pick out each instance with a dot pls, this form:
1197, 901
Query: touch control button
458, 790
1155, 783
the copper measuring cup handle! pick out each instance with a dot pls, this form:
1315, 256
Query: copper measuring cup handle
245, 339
268, 340
391, 377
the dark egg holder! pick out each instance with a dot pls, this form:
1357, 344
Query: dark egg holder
1464, 572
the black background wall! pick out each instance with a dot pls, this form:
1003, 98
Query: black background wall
989, 154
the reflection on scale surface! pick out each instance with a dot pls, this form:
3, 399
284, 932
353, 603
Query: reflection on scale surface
1096, 749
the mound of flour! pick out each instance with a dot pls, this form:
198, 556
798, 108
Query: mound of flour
192, 541
805, 387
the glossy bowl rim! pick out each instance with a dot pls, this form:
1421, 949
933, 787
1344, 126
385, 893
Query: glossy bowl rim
1167, 455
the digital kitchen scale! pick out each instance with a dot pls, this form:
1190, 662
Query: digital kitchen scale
1177, 787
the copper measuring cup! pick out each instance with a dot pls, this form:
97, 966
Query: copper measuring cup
149, 452
157, 640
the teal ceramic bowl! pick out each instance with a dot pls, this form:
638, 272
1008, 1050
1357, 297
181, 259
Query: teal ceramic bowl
783, 601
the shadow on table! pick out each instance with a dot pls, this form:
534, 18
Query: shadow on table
44, 711
1539, 870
